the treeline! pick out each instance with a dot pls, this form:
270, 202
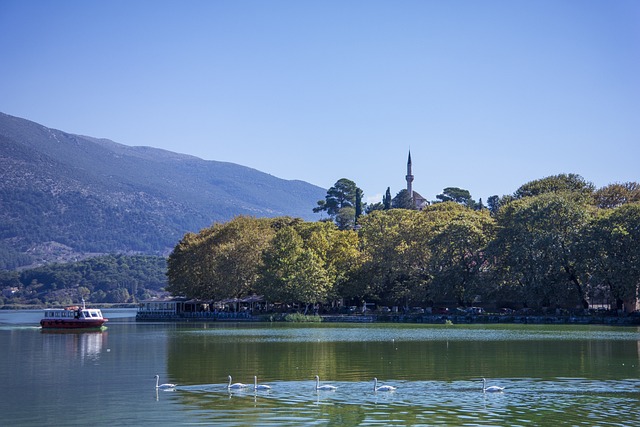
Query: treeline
556, 242
106, 279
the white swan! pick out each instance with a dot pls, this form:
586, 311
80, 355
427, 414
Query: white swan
257, 386
382, 387
325, 387
491, 389
163, 386
236, 386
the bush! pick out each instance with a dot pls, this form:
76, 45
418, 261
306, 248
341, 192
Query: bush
302, 318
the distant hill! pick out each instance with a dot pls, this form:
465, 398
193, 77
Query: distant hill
64, 196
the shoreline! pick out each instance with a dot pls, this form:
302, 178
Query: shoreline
628, 320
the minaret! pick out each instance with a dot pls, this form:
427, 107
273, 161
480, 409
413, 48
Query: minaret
409, 177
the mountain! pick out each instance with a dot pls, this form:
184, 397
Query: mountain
66, 196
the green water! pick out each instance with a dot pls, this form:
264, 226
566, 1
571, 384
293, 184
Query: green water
553, 375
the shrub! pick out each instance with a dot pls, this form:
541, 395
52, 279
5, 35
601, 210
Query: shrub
303, 318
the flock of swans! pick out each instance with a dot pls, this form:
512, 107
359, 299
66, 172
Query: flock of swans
323, 387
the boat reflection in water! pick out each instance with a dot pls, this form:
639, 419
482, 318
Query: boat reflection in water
86, 345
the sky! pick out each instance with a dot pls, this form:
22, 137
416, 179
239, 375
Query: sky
487, 95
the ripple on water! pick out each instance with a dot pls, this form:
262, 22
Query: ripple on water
562, 401
415, 333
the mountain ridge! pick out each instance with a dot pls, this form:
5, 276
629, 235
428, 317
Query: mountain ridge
94, 195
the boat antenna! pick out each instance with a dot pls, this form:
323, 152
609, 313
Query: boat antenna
83, 306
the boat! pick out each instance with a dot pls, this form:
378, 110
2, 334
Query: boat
73, 317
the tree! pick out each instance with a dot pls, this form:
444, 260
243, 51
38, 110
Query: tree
186, 265
537, 247
403, 200
394, 257
458, 244
571, 183
346, 218
279, 261
343, 259
118, 295
322, 206
613, 243
295, 267
615, 195
493, 203
310, 284
220, 262
378, 206
336, 250
358, 209
84, 292
386, 199
458, 195
343, 194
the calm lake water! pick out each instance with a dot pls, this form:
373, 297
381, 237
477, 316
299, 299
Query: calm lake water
554, 375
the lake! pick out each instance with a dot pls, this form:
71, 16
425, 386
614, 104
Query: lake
552, 374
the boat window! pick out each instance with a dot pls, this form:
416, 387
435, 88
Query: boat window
85, 313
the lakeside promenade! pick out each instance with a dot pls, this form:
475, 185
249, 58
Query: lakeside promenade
586, 319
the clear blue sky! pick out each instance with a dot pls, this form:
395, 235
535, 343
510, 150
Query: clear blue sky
488, 95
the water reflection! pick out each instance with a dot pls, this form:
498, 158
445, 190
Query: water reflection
84, 345
422, 403
295, 354
561, 376
553, 375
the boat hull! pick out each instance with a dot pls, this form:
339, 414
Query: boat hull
72, 323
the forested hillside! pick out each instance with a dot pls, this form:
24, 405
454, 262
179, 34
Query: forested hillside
67, 196
107, 279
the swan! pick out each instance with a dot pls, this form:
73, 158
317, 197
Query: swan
163, 386
236, 386
382, 387
261, 386
325, 387
491, 389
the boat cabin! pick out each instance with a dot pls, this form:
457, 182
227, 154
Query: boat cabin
73, 313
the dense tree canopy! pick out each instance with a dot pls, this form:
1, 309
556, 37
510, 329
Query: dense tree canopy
550, 244
538, 246
615, 195
221, 261
394, 257
571, 183
459, 244
611, 252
